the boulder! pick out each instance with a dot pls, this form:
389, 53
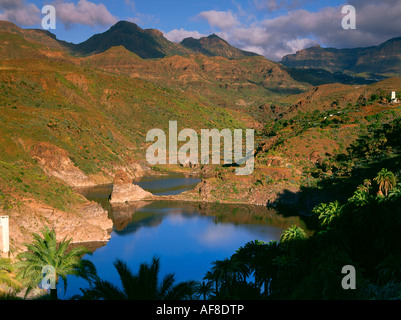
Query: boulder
124, 190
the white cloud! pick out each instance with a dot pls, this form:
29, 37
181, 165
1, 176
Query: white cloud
130, 4
296, 29
274, 5
177, 35
142, 19
220, 19
19, 12
84, 12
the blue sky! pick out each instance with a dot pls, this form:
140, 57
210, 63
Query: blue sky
269, 27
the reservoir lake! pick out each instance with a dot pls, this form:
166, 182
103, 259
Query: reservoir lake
186, 236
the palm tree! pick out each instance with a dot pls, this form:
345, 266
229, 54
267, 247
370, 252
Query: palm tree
333, 210
142, 286
386, 181
7, 277
395, 192
46, 251
327, 212
292, 233
212, 276
260, 257
360, 197
224, 270
367, 184
203, 289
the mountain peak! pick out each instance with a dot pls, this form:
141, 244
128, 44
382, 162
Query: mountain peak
214, 36
213, 45
125, 24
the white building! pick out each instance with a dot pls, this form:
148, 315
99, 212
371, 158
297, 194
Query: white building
4, 236
393, 97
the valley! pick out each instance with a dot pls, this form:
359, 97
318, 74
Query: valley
72, 121
76, 116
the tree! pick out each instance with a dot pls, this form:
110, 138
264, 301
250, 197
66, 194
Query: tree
360, 197
144, 285
203, 289
367, 184
386, 181
395, 192
292, 240
7, 277
46, 251
292, 233
327, 213
225, 269
261, 260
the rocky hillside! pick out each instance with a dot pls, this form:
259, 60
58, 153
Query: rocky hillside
304, 144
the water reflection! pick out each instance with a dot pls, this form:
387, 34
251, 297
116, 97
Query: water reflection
186, 236
128, 218
171, 184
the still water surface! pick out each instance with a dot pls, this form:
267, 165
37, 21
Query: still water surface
186, 236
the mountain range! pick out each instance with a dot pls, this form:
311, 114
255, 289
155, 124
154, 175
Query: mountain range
146, 43
151, 43
75, 114
382, 60
315, 65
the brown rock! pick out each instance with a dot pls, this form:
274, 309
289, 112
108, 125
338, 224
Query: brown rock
88, 223
128, 193
57, 163
125, 191
122, 177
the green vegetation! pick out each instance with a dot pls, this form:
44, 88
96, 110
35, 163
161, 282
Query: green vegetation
46, 251
361, 232
7, 278
27, 180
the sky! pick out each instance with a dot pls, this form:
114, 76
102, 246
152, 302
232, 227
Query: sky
272, 28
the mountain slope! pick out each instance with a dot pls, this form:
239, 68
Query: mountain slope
239, 85
39, 36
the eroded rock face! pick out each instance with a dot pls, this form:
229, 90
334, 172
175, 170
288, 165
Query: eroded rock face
88, 223
133, 168
125, 191
57, 163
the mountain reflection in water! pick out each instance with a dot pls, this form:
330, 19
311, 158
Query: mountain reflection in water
186, 236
